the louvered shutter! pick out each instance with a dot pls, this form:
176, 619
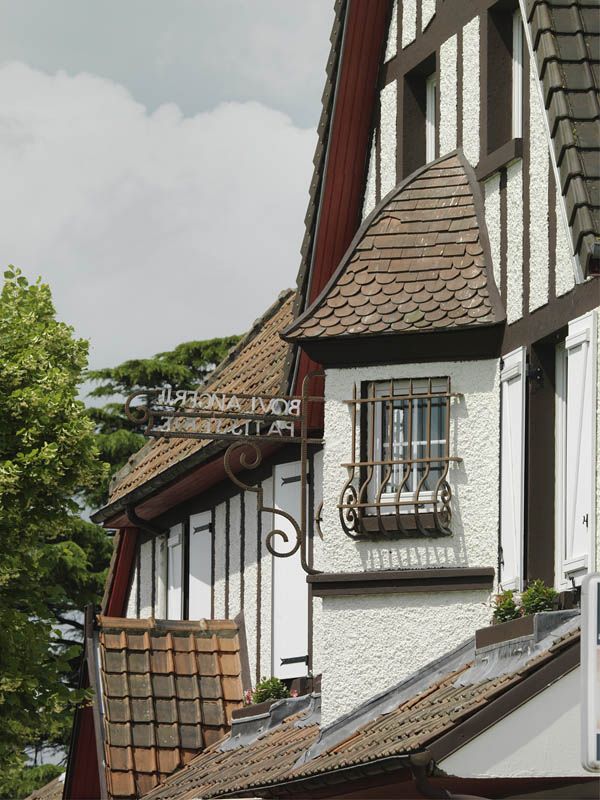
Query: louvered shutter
290, 590
512, 468
174, 572
200, 578
579, 449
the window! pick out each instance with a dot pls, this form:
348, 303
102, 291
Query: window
200, 566
575, 437
175, 572
399, 481
419, 116
430, 120
504, 98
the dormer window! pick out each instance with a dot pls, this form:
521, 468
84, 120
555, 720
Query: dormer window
397, 480
419, 115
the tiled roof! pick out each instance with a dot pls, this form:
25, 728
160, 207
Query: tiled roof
258, 363
419, 262
405, 720
167, 691
566, 40
50, 791
269, 759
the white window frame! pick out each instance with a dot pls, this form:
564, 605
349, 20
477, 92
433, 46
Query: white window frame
200, 574
517, 75
381, 389
430, 117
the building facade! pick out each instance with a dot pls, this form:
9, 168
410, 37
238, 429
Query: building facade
448, 293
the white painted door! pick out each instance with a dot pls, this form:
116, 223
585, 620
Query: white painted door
512, 468
576, 381
200, 565
174, 572
290, 590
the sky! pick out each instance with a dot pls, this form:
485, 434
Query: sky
155, 159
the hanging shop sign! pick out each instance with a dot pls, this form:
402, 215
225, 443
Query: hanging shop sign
243, 420
183, 414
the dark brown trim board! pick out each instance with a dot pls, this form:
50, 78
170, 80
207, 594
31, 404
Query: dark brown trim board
352, 351
399, 581
488, 164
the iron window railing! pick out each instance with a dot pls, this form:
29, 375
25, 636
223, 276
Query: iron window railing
398, 477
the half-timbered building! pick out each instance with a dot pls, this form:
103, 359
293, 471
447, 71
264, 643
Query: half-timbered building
446, 314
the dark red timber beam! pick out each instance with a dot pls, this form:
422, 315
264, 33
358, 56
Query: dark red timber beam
120, 575
354, 105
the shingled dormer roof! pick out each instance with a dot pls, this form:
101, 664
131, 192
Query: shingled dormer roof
420, 263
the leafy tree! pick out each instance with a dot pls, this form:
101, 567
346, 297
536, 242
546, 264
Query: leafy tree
23, 782
187, 366
51, 561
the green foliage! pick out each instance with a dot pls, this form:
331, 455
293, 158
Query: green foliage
51, 562
538, 597
24, 780
506, 607
187, 366
269, 689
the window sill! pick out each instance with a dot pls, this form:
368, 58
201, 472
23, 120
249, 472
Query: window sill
499, 158
399, 581
372, 529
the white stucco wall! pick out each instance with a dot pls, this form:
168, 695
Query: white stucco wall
538, 204
370, 189
492, 221
266, 584
427, 12
146, 578
391, 47
219, 565
409, 21
514, 241
387, 160
367, 643
471, 91
447, 89
234, 557
474, 436
250, 581
565, 275
132, 598
542, 738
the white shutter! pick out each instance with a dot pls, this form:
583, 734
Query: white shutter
290, 590
174, 572
200, 579
512, 468
575, 526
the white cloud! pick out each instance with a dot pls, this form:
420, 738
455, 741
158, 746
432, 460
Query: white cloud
152, 229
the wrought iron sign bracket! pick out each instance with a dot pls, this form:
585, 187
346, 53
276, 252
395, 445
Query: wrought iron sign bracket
245, 421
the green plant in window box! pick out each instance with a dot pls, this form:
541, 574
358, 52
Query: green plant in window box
506, 607
269, 689
538, 597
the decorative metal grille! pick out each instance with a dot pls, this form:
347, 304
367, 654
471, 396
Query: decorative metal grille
397, 479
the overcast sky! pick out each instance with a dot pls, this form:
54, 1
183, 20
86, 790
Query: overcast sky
155, 157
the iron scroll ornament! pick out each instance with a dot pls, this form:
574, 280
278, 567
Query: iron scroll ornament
250, 455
